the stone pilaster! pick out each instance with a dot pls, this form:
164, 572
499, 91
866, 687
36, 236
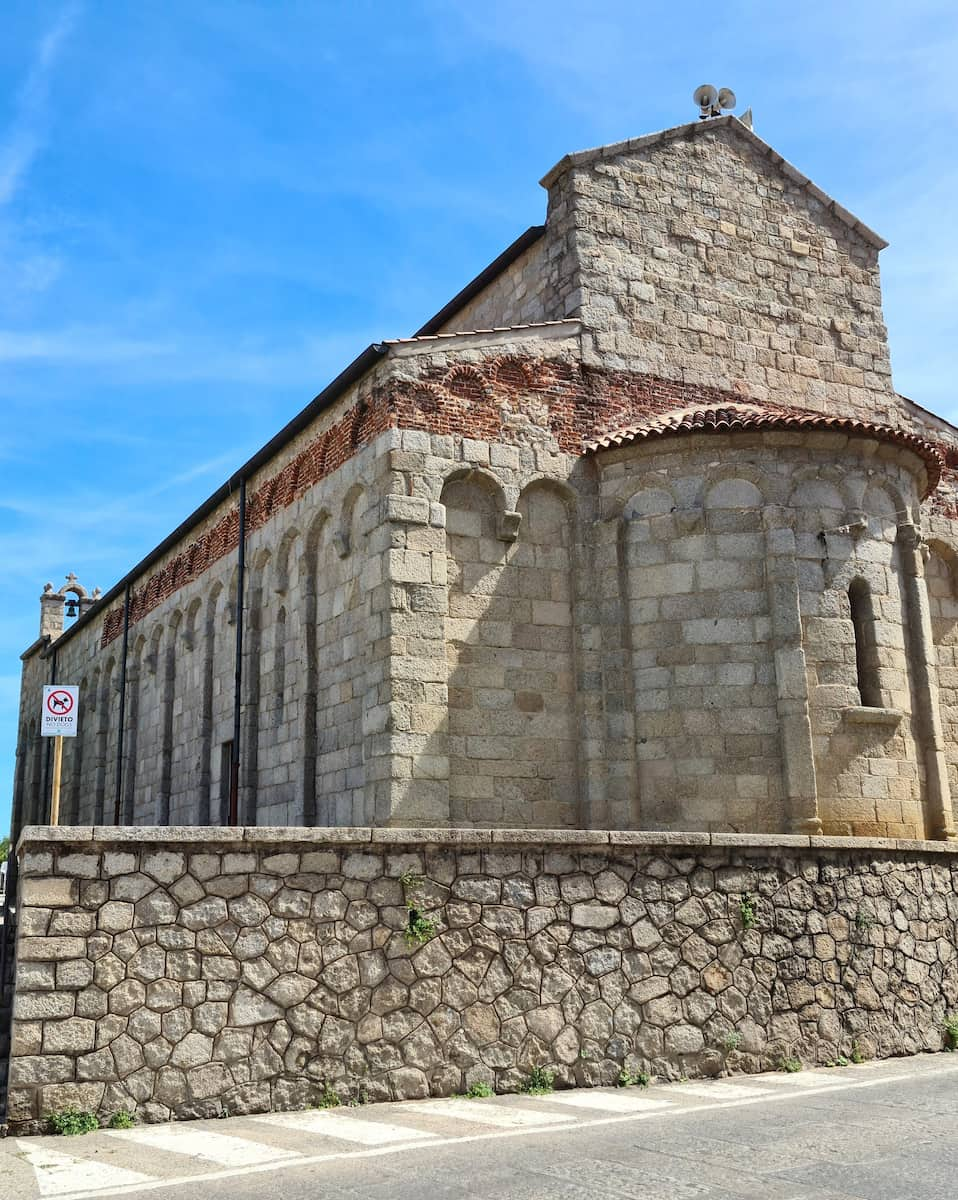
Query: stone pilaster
923, 660
406, 717
798, 760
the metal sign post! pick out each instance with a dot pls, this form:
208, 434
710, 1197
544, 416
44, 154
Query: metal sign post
59, 718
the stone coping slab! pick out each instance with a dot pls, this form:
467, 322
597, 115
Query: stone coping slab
214, 835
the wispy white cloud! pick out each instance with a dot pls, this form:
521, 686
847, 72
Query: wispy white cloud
24, 138
305, 361
77, 346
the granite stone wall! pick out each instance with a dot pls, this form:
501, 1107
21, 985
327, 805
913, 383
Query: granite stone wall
187, 972
467, 603
696, 256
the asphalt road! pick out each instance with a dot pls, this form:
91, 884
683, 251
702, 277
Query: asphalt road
880, 1131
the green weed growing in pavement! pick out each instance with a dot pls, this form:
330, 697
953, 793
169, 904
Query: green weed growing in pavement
328, 1097
840, 1061
731, 1041
951, 1031
540, 1081
479, 1091
122, 1119
633, 1078
746, 911
72, 1121
790, 1065
857, 1055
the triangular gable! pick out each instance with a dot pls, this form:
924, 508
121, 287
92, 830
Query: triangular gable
696, 128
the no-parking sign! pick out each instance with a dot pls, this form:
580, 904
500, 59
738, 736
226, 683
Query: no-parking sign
61, 708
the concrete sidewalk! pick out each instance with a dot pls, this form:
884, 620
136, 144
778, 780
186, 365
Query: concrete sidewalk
880, 1131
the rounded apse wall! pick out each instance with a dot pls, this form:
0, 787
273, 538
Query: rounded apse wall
761, 585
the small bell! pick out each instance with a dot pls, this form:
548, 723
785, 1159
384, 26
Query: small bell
71, 608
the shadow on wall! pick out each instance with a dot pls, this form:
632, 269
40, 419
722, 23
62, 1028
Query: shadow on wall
941, 574
513, 738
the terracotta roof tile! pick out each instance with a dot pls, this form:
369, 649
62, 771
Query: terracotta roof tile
732, 418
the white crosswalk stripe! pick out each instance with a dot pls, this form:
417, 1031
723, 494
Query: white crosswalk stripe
802, 1079
178, 1155
613, 1102
58, 1173
219, 1148
349, 1129
487, 1112
719, 1091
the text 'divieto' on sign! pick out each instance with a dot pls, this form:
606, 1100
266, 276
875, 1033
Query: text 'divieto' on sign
60, 710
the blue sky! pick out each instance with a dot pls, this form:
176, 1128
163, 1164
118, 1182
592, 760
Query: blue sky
207, 209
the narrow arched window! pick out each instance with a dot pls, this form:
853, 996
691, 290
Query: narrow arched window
866, 650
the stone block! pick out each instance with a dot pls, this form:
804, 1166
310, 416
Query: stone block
42, 1006
41, 1068
415, 836
762, 841
638, 837
547, 837
594, 916
78, 865
75, 1035
32, 835
306, 836
49, 949
49, 893
410, 510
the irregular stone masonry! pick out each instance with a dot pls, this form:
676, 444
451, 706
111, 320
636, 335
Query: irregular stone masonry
463, 605
187, 972
478, 401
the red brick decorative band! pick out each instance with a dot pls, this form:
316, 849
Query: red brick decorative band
494, 400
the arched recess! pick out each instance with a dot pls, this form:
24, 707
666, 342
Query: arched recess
282, 710
168, 680
941, 576
338, 633
545, 698
885, 509
285, 563
214, 703
512, 730
478, 631
70, 808
21, 814
858, 646
877, 559
479, 478
136, 672
309, 571
862, 612
106, 696
187, 716
704, 693
257, 609
351, 509
34, 800
207, 628
278, 697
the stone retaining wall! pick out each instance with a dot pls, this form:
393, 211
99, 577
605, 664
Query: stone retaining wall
185, 972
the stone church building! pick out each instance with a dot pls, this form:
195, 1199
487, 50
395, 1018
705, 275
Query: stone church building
635, 533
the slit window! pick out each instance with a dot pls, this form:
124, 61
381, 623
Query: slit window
866, 649
226, 774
